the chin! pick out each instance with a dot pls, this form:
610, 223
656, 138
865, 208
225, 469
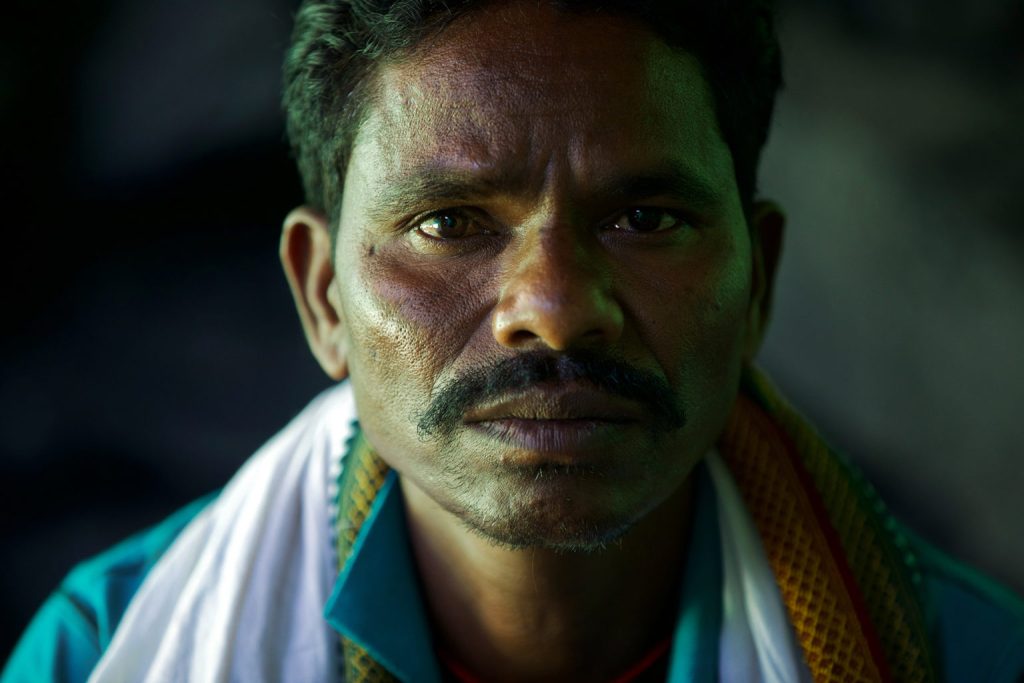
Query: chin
559, 509
565, 536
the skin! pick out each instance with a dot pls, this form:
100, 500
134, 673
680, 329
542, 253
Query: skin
523, 548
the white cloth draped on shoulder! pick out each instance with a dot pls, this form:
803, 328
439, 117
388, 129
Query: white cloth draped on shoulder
239, 595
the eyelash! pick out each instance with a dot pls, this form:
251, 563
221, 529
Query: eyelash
678, 221
445, 213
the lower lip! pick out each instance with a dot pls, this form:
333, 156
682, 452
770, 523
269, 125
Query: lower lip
551, 436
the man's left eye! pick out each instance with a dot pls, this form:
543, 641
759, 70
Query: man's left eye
647, 219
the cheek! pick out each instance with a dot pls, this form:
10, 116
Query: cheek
721, 308
722, 316
407, 323
693, 315
711, 374
692, 306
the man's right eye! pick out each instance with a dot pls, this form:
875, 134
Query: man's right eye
447, 225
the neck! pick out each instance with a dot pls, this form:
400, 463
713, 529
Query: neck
580, 616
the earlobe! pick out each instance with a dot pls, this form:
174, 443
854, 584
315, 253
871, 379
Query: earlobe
767, 226
306, 257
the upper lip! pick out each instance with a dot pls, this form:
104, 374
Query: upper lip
569, 401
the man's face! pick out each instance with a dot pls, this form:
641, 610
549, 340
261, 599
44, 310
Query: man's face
543, 275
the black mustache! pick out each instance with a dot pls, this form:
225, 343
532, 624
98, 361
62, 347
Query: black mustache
444, 414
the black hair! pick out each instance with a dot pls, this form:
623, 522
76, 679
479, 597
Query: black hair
336, 44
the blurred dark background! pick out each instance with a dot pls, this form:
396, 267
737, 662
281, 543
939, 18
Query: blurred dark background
149, 344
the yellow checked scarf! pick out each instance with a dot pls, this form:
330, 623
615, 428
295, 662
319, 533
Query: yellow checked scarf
846, 574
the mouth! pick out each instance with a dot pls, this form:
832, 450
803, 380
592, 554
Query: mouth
571, 437
564, 418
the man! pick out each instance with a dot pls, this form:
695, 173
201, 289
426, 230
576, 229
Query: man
533, 258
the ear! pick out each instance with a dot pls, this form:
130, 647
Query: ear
306, 257
767, 225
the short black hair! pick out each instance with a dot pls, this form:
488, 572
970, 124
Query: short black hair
336, 44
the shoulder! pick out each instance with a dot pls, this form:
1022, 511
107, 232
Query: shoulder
978, 625
75, 624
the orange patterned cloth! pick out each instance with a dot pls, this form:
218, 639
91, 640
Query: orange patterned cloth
846, 575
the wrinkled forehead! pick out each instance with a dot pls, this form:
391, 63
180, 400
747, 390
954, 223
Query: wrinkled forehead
522, 84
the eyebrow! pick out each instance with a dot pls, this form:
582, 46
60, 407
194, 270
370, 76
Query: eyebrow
435, 184
678, 181
440, 184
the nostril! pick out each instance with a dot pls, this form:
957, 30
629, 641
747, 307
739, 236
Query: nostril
521, 337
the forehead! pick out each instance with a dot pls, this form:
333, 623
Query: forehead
523, 88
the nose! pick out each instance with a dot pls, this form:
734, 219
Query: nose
557, 294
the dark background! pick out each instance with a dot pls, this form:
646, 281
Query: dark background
149, 343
